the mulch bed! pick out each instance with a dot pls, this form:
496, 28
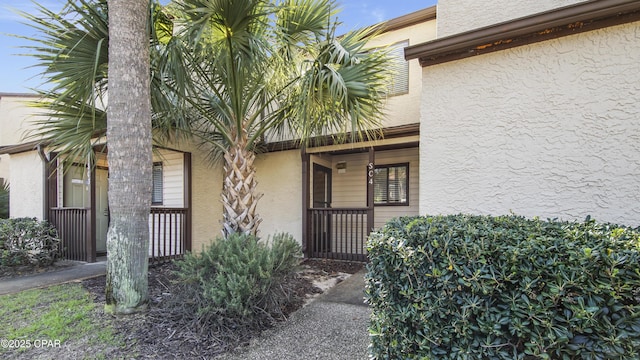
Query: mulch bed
155, 335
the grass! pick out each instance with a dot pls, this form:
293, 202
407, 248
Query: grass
64, 312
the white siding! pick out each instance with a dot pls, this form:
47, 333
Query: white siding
172, 177
550, 129
457, 16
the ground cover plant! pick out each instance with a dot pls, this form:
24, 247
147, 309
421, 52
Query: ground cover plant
472, 287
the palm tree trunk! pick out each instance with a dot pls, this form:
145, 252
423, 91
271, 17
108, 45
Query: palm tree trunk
239, 195
129, 141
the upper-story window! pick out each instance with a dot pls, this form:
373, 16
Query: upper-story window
400, 83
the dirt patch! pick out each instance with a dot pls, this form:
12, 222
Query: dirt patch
154, 335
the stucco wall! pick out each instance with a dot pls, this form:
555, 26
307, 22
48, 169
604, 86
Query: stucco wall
279, 176
550, 129
15, 118
456, 16
27, 181
206, 184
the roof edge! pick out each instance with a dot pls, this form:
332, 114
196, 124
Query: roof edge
585, 16
407, 20
20, 148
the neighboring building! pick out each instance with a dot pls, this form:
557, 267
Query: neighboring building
532, 107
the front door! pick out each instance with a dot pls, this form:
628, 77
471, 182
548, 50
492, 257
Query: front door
102, 210
321, 221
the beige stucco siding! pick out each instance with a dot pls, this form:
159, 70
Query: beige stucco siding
206, 208
457, 16
279, 176
550, 129
26, 180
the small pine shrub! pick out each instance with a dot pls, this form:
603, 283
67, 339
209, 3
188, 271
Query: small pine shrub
27, 241
238, 282
479, 287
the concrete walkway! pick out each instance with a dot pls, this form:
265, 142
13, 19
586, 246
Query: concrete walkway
72, 273
332, 327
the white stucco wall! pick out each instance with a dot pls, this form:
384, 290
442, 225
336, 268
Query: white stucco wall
26, 180
279, 176
456, 16
550, 129
15, 118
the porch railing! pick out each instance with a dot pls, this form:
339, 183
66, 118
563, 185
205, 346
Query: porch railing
168, 229
338, 233
73, 225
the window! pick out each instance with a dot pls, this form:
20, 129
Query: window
400, 83
391, 184
156, 195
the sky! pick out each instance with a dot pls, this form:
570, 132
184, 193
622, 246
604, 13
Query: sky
17, 74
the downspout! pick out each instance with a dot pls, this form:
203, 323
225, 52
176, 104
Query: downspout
45, 182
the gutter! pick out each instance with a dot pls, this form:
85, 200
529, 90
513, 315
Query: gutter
45, 182
585, 16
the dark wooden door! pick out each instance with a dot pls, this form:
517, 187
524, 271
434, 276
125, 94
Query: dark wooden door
321, 221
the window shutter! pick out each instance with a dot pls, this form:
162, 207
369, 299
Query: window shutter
156, 197
400, 84
380, 185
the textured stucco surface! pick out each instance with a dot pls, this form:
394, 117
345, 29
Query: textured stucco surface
26, 179
456, 16
15, 119
550, 129
279, 176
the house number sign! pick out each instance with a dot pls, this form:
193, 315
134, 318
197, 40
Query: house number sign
370, 168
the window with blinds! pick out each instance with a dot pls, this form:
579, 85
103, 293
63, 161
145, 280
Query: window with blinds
391, 184
156, 195
400, 83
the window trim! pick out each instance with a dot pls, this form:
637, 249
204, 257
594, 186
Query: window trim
153, 200
387, 166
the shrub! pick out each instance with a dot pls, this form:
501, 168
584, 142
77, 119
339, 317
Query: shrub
477, 287
26, 241
238, 282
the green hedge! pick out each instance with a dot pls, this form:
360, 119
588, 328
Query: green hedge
478, 287
27, 241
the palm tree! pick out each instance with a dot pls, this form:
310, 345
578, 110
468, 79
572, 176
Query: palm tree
273, 68
129, 134
236, 72
76, 48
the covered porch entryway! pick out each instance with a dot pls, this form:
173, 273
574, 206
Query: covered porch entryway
76, 204
352, 189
